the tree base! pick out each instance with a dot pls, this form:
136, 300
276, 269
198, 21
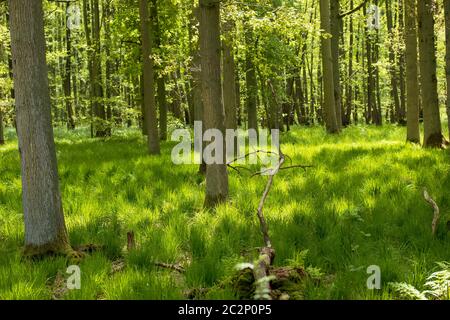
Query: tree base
53, 249
435, 140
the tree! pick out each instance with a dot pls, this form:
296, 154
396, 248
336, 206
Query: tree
447, 57
336, 27
427, 61
2, 136
45, 229
148, 80
412, 85
213, 110
327, 63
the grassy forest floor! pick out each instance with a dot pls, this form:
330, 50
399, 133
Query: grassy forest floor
360, 205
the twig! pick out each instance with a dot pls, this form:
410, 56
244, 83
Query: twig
436, 216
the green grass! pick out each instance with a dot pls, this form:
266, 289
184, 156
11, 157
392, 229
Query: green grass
360, 205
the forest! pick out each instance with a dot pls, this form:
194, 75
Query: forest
224, 149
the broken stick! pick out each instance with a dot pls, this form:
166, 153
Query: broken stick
436, 216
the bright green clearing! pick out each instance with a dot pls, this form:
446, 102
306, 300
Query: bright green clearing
360, 205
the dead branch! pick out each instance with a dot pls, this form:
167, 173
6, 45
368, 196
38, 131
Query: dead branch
174, 267
435, 207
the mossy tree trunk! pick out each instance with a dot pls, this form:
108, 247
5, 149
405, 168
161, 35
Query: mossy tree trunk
427, 61
412, 84
213, 110
45, 229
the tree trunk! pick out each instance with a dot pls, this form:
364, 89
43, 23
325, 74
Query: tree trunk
412, 84
2, 136
335, 24
447, 57
427, 61
392, 67
349, 91
100, 123
213, 112
148, 77
251, 82
160, 80
229, 79
67, 76
45, 229
329, 104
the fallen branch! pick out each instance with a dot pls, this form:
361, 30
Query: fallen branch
436, 216
175, 267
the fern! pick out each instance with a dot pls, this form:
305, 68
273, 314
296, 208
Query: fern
437, 286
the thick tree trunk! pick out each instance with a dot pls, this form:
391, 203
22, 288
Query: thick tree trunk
329, 105
148, 77
213, 111
45, 229
432, 121
447, 57
412, 84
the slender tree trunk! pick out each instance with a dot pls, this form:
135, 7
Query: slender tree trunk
45, 229
148, 77
110, 88
349, 93
392, 67
336, 36
412, 84
432, 121
251, 82
87, 31
213, 113
67, 75
2, 136
447, 57
160, 80
100, 123
229, 79
401, 63
329, 105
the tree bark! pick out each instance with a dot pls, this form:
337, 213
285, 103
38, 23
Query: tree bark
229, 79
427, 45
100, 123
45, 229
329, 105
67, 76
251, 82
447, 57
336, 27
148, 77
160, 80
394, 80
412, 82
213, 111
